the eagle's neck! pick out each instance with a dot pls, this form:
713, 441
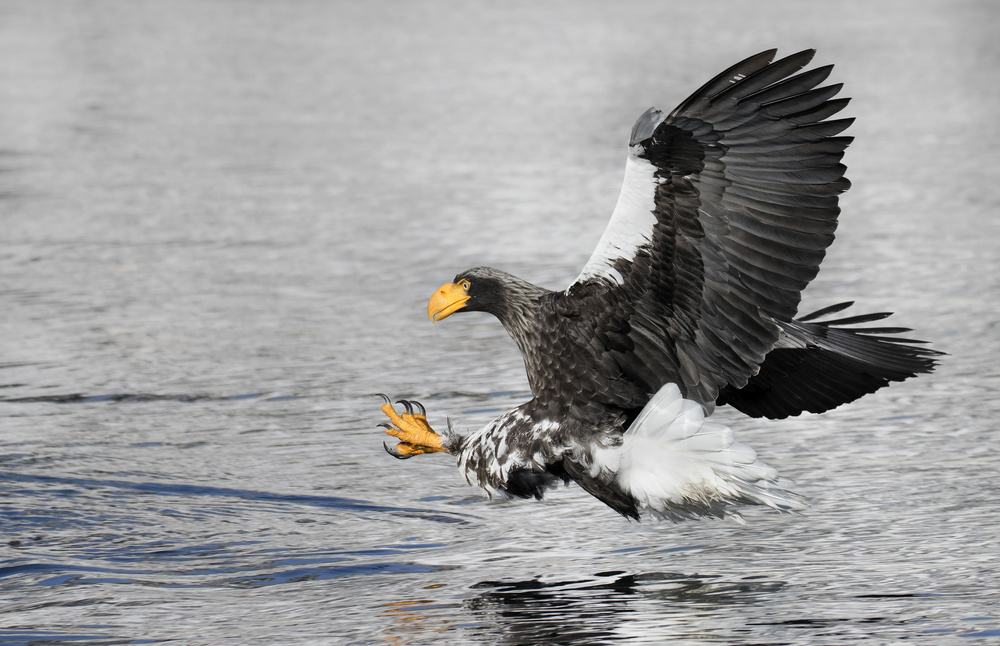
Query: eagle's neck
520, 312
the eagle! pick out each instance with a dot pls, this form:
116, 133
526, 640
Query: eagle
688, 302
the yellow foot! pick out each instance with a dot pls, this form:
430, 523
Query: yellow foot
415, 434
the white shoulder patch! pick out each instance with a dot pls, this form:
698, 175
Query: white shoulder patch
631, 224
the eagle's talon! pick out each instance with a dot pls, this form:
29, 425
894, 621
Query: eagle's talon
395, 453
415, 434
386, 398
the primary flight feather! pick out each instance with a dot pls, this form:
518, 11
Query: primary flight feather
689, 301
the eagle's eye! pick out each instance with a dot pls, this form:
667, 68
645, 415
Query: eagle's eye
465, 285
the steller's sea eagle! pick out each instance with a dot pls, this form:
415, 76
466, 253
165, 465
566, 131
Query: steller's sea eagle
689, 301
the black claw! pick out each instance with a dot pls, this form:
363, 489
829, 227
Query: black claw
407, 406
423, 411
394, 453
386, 426
386, 398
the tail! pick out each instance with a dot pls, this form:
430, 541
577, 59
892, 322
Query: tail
676, 465
820, 365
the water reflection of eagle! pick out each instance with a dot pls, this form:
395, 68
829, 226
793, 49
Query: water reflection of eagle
728, 205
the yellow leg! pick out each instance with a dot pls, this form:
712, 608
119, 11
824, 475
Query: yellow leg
415, 434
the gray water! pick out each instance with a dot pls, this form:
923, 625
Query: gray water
220, 224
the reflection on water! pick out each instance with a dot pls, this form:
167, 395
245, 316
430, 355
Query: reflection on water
592, 611
219, 225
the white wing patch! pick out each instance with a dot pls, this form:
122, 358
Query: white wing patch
631, 224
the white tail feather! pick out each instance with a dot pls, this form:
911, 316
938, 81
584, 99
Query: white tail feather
677, 465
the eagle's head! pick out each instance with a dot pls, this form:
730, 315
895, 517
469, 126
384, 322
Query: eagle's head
481, 289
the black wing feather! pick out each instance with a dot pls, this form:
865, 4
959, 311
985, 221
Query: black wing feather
835, 365
746, 175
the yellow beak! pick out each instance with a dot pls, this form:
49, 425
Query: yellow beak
446, 301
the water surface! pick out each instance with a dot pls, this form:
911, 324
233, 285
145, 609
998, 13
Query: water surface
220, 224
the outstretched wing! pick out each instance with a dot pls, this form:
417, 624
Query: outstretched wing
728, 205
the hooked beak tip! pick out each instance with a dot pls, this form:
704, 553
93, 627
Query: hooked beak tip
446, 301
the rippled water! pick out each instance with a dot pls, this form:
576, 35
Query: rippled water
220, 223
